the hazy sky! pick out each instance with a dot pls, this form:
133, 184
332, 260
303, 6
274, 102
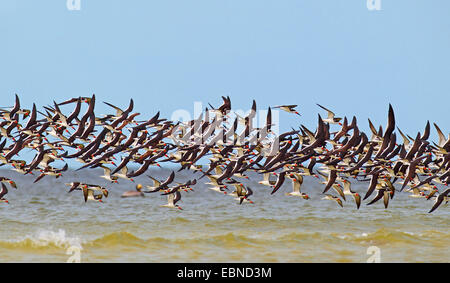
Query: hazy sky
168, 54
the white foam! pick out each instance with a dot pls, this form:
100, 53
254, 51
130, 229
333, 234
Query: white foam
60, 239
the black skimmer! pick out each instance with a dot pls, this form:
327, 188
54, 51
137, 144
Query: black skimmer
331, 119
156, 185
348, 191
288, 108
297, 181
216, 185
98, 188
279, 182
348, 153
89, 195
336, 199
417, 193
243, 193
266, 180
123, 174
107, 175
172, 200
439, 199
5, 180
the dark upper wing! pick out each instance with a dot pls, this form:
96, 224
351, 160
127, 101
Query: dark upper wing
269, 119
249, 192
177, 197
279, 182
170, 178
378, 196
4, 191
85, 194
436, 204
74, 186
329, 111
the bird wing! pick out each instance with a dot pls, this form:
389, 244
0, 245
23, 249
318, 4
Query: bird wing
86, 194
339, 190
330, 113
377, 197
386, 198
119, 111
440, 134
170, 199
357, 198
177, 197
4, 191
249, 192
156, 183
436, 204
439, 200
295, 186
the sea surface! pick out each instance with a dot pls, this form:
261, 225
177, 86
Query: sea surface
44, 223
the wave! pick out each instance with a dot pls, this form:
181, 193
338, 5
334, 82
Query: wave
122, 239
387, 236
44, 239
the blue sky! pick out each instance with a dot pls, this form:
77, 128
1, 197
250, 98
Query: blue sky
168, 54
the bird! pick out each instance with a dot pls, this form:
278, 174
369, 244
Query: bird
266, 180
243, 193
439, 199
123, 174
288, 108
233, 147
216, 185
382, 193
279, 182
416, 193
172, 200
107, 175
89, 195
137, 193
331, 116
336, 199
5, 180
98, 188
297, 181
348, 191
156, 186
73, 186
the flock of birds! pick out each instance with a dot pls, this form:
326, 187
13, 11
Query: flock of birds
231, 146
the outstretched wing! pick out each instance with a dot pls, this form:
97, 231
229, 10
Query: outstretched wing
4, 191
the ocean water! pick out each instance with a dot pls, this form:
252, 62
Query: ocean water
44, 223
